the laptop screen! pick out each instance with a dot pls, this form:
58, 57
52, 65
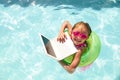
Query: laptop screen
48, 46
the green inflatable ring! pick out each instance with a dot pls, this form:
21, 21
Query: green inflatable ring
90, 54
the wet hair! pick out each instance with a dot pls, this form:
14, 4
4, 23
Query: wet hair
85, 24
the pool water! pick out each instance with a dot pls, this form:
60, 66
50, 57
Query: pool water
21, 52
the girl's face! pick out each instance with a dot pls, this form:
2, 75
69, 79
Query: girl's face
79, 34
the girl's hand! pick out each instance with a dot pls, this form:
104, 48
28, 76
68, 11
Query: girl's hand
61, 37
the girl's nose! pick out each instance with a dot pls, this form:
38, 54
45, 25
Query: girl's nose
78, 37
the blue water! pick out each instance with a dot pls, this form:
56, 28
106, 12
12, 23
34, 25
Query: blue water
21, 53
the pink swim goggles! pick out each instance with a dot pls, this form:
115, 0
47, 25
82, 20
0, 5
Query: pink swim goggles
78, 34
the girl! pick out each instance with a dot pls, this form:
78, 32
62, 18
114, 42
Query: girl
79, 33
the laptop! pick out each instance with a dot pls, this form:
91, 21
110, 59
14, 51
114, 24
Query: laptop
57, 50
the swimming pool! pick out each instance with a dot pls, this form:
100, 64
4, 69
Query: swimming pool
21, 52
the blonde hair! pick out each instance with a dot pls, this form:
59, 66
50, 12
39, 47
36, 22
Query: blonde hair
85, 24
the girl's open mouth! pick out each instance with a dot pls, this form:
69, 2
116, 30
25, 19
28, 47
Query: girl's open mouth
77, 40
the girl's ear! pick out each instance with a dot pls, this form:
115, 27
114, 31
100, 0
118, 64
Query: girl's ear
87, 37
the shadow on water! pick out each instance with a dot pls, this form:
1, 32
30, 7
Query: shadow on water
77, 4
118, 78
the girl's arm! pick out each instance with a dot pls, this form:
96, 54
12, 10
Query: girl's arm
61, 36
76, 59
71, 68
67, 25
